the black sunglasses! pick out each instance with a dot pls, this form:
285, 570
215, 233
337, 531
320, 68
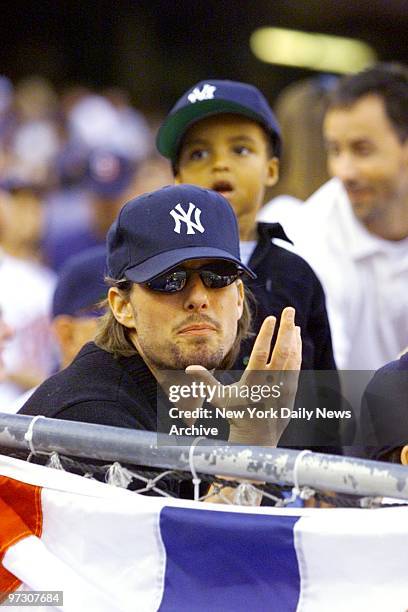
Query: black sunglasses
214, 276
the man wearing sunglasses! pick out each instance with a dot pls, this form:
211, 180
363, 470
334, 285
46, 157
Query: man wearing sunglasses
176, 300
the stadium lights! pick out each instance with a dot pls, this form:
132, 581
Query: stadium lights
311, 50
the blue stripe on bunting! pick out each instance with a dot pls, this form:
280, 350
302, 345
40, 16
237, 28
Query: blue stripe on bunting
228, 562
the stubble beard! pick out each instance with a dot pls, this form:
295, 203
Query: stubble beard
196, 351
178, 358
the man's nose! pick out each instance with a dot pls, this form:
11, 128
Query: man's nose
196, 294
343, 166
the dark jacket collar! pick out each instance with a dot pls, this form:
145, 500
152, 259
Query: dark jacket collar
266, 232
272, 230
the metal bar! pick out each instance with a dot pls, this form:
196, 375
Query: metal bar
275, 465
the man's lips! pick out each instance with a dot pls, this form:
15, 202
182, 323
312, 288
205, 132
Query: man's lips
197, 329
357, 191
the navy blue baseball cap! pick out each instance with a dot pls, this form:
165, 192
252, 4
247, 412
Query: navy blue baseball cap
80, 284
213, 97
108, 174
101, 171
161, 229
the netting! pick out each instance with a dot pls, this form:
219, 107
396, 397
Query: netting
179, 484
199, 470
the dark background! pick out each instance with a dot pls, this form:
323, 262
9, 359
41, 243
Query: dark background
158, 48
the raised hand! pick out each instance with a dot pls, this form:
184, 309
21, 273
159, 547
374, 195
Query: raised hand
253, 404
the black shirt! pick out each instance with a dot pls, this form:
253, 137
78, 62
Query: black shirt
286, 279
384, 410
97, 388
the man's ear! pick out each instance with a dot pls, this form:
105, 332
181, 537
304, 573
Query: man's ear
404, 455
241, 297
121, 307
63, 330
272, 176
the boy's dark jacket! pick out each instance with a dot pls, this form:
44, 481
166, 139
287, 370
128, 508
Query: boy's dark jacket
285, 279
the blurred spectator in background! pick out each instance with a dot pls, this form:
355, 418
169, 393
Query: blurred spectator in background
6, 120
104, 143
354, 229
67, 165
35, 139
5, 334
134, 138
102, 177
25, 298
94, 122
23, 220
151, 174
300, 109
29, 141
80, 288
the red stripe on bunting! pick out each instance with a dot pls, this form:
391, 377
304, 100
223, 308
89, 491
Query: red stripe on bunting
20, 516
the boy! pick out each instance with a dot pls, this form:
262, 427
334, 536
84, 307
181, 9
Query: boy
222, 135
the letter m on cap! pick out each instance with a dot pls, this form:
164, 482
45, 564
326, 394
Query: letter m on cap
185, 217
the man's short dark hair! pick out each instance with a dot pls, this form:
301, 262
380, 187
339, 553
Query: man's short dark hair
389, 81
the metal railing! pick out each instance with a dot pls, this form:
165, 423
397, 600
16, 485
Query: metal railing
360, 477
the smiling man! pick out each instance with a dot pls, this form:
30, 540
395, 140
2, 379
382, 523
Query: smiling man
366, 130
176, 300
354, 229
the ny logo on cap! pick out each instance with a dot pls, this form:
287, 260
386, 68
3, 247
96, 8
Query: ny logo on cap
185, 217
206, 93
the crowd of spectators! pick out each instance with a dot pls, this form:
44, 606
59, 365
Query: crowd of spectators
68, 162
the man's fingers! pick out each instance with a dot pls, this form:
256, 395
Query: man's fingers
211, 386
262, 345
292, 369
284, 341
201, 374
295, 355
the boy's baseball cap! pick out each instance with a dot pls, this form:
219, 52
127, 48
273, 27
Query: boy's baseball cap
80, 284
159, 230
213, 97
